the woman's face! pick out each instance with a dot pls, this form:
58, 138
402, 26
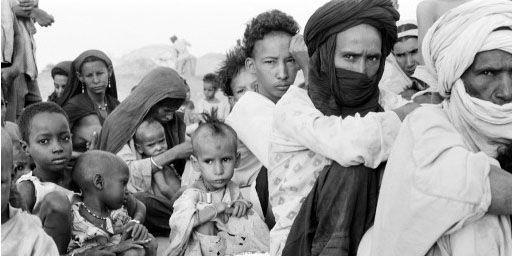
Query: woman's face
490, 77
164, 110
95, 75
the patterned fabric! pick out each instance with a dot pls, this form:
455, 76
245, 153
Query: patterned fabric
85, 235
304, 141
245, 234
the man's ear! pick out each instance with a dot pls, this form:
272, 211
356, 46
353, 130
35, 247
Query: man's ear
25, 147
98, 181
250, 65
195, 163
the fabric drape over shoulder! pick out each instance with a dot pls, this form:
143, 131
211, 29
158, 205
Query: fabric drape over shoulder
157, 85
74, 86
331, 89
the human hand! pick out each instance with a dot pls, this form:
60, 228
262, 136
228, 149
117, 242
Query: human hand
239, 208
404, 110
183, 150
299, 51
42, 18
27, 5
136, 231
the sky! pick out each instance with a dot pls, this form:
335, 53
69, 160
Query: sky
120, 26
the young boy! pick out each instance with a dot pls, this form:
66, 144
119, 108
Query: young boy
106, 215
150, 141
46, 138
234, 78
211, 217
210, 102
21, 232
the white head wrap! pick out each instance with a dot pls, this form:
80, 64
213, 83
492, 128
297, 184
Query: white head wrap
449, 49
409, 32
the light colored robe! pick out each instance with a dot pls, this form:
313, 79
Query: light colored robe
238, 235
23, 235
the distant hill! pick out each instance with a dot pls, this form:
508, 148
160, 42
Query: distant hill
130, 68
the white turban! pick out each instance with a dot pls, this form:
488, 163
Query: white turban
449, 49
450, 45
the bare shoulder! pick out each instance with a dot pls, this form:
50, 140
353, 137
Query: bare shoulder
27, 192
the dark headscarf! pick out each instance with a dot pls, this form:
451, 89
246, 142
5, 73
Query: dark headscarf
357, 93
352, 191
74, 86
159, 84
61, 67
64, 66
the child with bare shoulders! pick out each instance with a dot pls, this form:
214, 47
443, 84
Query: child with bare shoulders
211, 217
150, 141
22, 233
106, 216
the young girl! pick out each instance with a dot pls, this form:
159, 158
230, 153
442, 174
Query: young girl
106, 215
211, 217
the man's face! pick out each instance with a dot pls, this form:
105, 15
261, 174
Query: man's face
407, 56
358, 49
273, 65
490, 77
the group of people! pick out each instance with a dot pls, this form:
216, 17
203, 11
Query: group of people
381, 151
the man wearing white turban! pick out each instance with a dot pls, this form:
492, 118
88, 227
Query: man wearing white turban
443, 192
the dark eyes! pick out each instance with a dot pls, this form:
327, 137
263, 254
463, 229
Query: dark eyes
488, 73
43, 141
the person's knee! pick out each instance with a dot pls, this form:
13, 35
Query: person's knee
55, 202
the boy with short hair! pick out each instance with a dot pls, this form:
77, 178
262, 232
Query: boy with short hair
149, 140
21, 232
211, 217
210, 103
106, 215
234, 78
46, 137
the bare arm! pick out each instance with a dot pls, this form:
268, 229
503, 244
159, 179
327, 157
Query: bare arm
208, 213
181, 151
27, 193
136, 209
501, 191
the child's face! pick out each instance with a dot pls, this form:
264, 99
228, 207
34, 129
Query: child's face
59, 81
242, 82
209, 90
151, 140
216, 160
95, 76
49, 141
21, 160
114, 190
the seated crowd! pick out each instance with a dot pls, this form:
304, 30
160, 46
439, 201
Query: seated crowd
379, 151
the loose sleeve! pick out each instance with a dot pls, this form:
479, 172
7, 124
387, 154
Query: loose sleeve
349, 141
446, 169
140, 170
